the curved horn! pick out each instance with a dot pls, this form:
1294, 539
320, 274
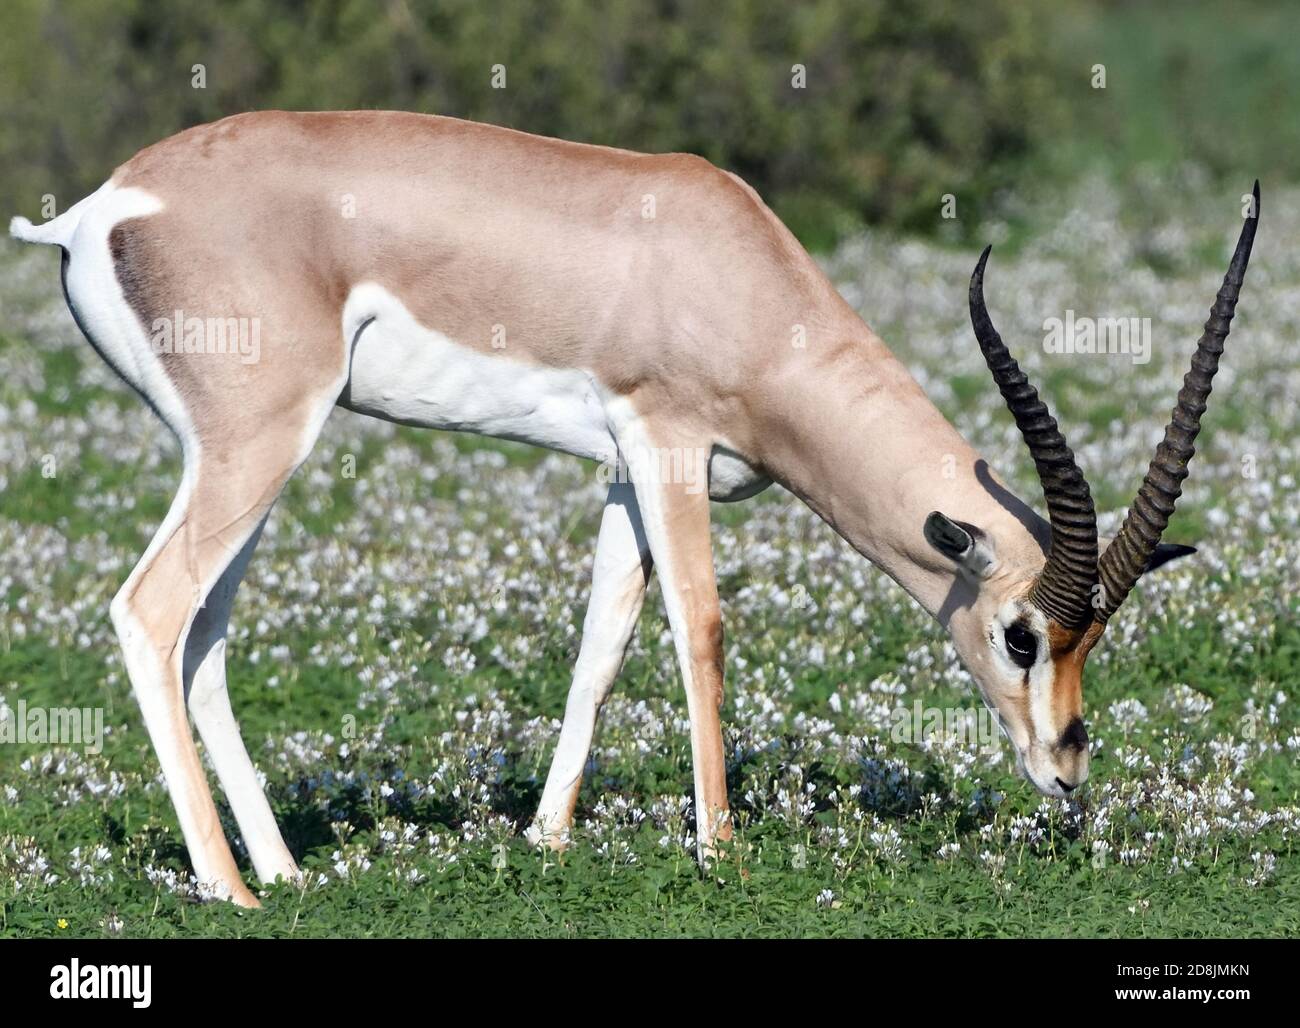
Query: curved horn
1064, 589
1126, 558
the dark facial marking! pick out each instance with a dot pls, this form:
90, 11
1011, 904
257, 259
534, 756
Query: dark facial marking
1075, 736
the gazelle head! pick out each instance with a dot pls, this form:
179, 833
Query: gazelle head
1032, 622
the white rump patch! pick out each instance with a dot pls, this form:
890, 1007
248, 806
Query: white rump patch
101, 308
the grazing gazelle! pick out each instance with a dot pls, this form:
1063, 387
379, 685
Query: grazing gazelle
646, 310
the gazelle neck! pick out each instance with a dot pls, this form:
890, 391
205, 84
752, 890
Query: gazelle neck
859, 441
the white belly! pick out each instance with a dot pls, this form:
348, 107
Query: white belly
402, 371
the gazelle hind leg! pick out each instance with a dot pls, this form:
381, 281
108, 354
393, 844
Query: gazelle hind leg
209, 705
151, 613
675, 514
620, 574
246, 417
220, 506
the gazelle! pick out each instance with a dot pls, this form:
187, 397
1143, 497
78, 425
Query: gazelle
614, 305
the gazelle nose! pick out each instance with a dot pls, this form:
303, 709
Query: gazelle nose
1065, 785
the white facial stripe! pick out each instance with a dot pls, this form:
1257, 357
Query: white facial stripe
1041, 675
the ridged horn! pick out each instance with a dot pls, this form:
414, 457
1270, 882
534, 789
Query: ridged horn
1064, 589
1127, 556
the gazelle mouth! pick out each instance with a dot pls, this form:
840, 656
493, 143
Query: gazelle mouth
1058, 789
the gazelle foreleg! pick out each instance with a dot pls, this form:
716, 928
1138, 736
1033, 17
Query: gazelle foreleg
675, 513
620, 573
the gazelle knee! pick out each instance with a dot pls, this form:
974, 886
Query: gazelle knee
205, 680
706, 651
120, 613
203, 669
144, 634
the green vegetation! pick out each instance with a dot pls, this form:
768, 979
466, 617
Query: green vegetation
401, 649
902, 103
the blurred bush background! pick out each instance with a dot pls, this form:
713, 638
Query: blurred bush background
905, 100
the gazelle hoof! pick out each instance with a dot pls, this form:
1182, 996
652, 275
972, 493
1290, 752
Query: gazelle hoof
556, 840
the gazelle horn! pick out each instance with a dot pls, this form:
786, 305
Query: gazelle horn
1126, 557
1064, 589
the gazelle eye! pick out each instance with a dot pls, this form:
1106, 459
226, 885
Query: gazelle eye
1022, 646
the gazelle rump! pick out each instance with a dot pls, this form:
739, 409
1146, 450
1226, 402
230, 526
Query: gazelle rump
647, 311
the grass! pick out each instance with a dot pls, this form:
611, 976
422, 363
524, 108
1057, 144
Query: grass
402, 647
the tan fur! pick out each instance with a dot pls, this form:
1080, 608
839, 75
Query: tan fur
1070, 649
473, 226
677, 522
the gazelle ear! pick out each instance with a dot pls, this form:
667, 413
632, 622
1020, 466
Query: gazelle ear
965, 545
1164, 553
